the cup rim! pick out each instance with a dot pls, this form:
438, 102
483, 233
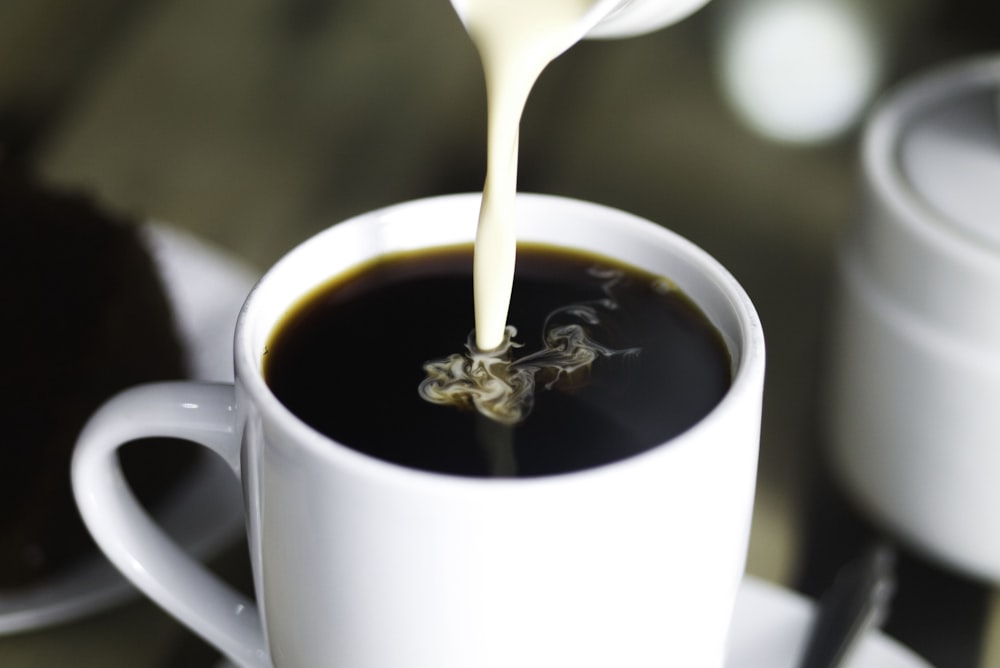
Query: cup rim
747, 381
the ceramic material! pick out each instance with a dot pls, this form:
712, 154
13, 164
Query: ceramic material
361, 563
915, 356
769, 630
771, 626
203, 512
610, 19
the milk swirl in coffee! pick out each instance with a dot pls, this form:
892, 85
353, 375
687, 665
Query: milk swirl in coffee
516, 40
591, 399
502, 387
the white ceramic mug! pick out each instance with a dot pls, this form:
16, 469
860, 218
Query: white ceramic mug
914, 386
359, 563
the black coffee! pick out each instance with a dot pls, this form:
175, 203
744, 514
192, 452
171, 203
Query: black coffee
349, 358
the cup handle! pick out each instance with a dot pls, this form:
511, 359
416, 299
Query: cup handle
204, 413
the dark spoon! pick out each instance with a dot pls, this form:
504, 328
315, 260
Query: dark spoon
857, 601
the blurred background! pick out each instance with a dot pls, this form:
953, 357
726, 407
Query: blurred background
254, 124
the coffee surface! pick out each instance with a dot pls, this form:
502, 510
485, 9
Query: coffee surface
337, 362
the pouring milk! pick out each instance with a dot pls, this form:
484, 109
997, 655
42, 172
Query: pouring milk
516, 40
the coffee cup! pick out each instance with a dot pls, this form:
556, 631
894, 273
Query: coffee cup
363, 563
915, 343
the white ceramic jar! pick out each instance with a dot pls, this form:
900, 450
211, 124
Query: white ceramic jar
914, 400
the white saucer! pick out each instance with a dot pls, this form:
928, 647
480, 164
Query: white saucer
769, 631
204, 512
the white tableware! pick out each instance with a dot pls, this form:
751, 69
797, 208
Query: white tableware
769, 630
611, 19
915, 350
203, 513
771, 626
362, 563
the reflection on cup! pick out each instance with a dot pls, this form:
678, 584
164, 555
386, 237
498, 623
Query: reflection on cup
915, 357
360, 562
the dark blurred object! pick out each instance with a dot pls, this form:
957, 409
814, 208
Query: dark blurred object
857, 601
85, 316
939, 615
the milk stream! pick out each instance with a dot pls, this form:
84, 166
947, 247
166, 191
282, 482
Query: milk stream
516, 40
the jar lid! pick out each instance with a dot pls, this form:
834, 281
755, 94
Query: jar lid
950, 154
929, 232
